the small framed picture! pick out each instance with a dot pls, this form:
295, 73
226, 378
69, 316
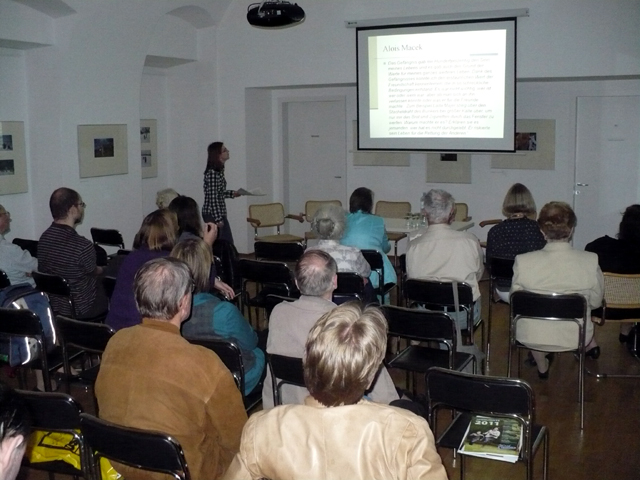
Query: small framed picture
102, 150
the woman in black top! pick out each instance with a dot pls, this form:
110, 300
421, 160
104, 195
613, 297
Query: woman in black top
214, 209
519, 233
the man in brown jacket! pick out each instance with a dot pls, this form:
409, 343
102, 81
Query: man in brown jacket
152, 378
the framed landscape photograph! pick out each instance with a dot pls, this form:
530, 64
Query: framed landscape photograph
102, 150
149, 148
13, 163
535, 142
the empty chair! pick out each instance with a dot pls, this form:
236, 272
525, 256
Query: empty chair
269, 278
135, 448
279, 252
284, 370
231, 356
92, 338
424, 326
350, 287
467, 395
271, 215
462, 213
621, 304
30, 246
107, 236
547, 308
57, 412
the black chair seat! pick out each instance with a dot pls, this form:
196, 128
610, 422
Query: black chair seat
420, 359
55, 359
260, 299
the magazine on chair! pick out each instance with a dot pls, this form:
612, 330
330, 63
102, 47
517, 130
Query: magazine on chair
493, 438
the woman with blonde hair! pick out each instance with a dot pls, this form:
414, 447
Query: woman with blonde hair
518, 233
557, 268
156, 237
211, 316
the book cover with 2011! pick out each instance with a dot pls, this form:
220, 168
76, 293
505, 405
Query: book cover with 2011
496, 438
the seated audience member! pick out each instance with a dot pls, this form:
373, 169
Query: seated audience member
557, 268
164, 197
328, 224
61, 251
337, 433
190, 226
211, 316
622, 254
443, 254
155, 239
518, 233
152, 378
290, 322
14, 431
366, 232
15, 262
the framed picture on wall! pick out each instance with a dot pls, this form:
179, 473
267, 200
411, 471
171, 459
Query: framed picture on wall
535, 142
102, 150
13, 163
149, 148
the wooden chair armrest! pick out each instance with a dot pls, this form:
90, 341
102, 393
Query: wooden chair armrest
494, 221
254, 222
299, 217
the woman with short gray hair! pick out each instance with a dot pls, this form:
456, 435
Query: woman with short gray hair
328, 224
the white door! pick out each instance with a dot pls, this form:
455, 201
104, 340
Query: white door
315, 152
607, 164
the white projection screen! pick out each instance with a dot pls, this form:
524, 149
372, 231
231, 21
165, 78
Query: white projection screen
446, 86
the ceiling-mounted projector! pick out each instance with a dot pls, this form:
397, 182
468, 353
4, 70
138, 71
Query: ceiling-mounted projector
274, 14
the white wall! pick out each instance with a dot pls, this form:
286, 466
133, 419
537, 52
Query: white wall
560, 39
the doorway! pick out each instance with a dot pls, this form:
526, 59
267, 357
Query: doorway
314, 154
607, 164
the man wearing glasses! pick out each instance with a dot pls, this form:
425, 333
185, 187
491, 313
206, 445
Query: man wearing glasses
62, 251
15, 262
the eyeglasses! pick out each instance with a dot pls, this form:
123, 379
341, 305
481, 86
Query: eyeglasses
81, 204
5, 213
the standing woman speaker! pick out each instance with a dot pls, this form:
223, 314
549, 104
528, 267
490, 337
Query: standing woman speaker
215, 190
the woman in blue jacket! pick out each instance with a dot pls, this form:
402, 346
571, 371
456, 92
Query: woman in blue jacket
366, 232
211, 316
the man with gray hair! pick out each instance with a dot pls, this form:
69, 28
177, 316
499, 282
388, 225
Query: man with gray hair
152, 378
444, 254
290, 323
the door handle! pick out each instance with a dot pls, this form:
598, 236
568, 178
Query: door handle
337, 176
582, 184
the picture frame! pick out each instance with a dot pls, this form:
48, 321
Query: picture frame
149, 147
13, 163
535, 147
102, 150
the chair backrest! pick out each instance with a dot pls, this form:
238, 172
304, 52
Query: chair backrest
621, 291
284, 370
480, 394
30, 246
88, 336
551, 306
437, 294
350, 285
392, 209
421, 325
107, 236
109, 284
282, 252
312, 206
501, 268
374, 259
229, 353
265, 272
462, 212
4, 279
102, 259
146, 450
269, 214
229, 258
54, 285
272, 300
